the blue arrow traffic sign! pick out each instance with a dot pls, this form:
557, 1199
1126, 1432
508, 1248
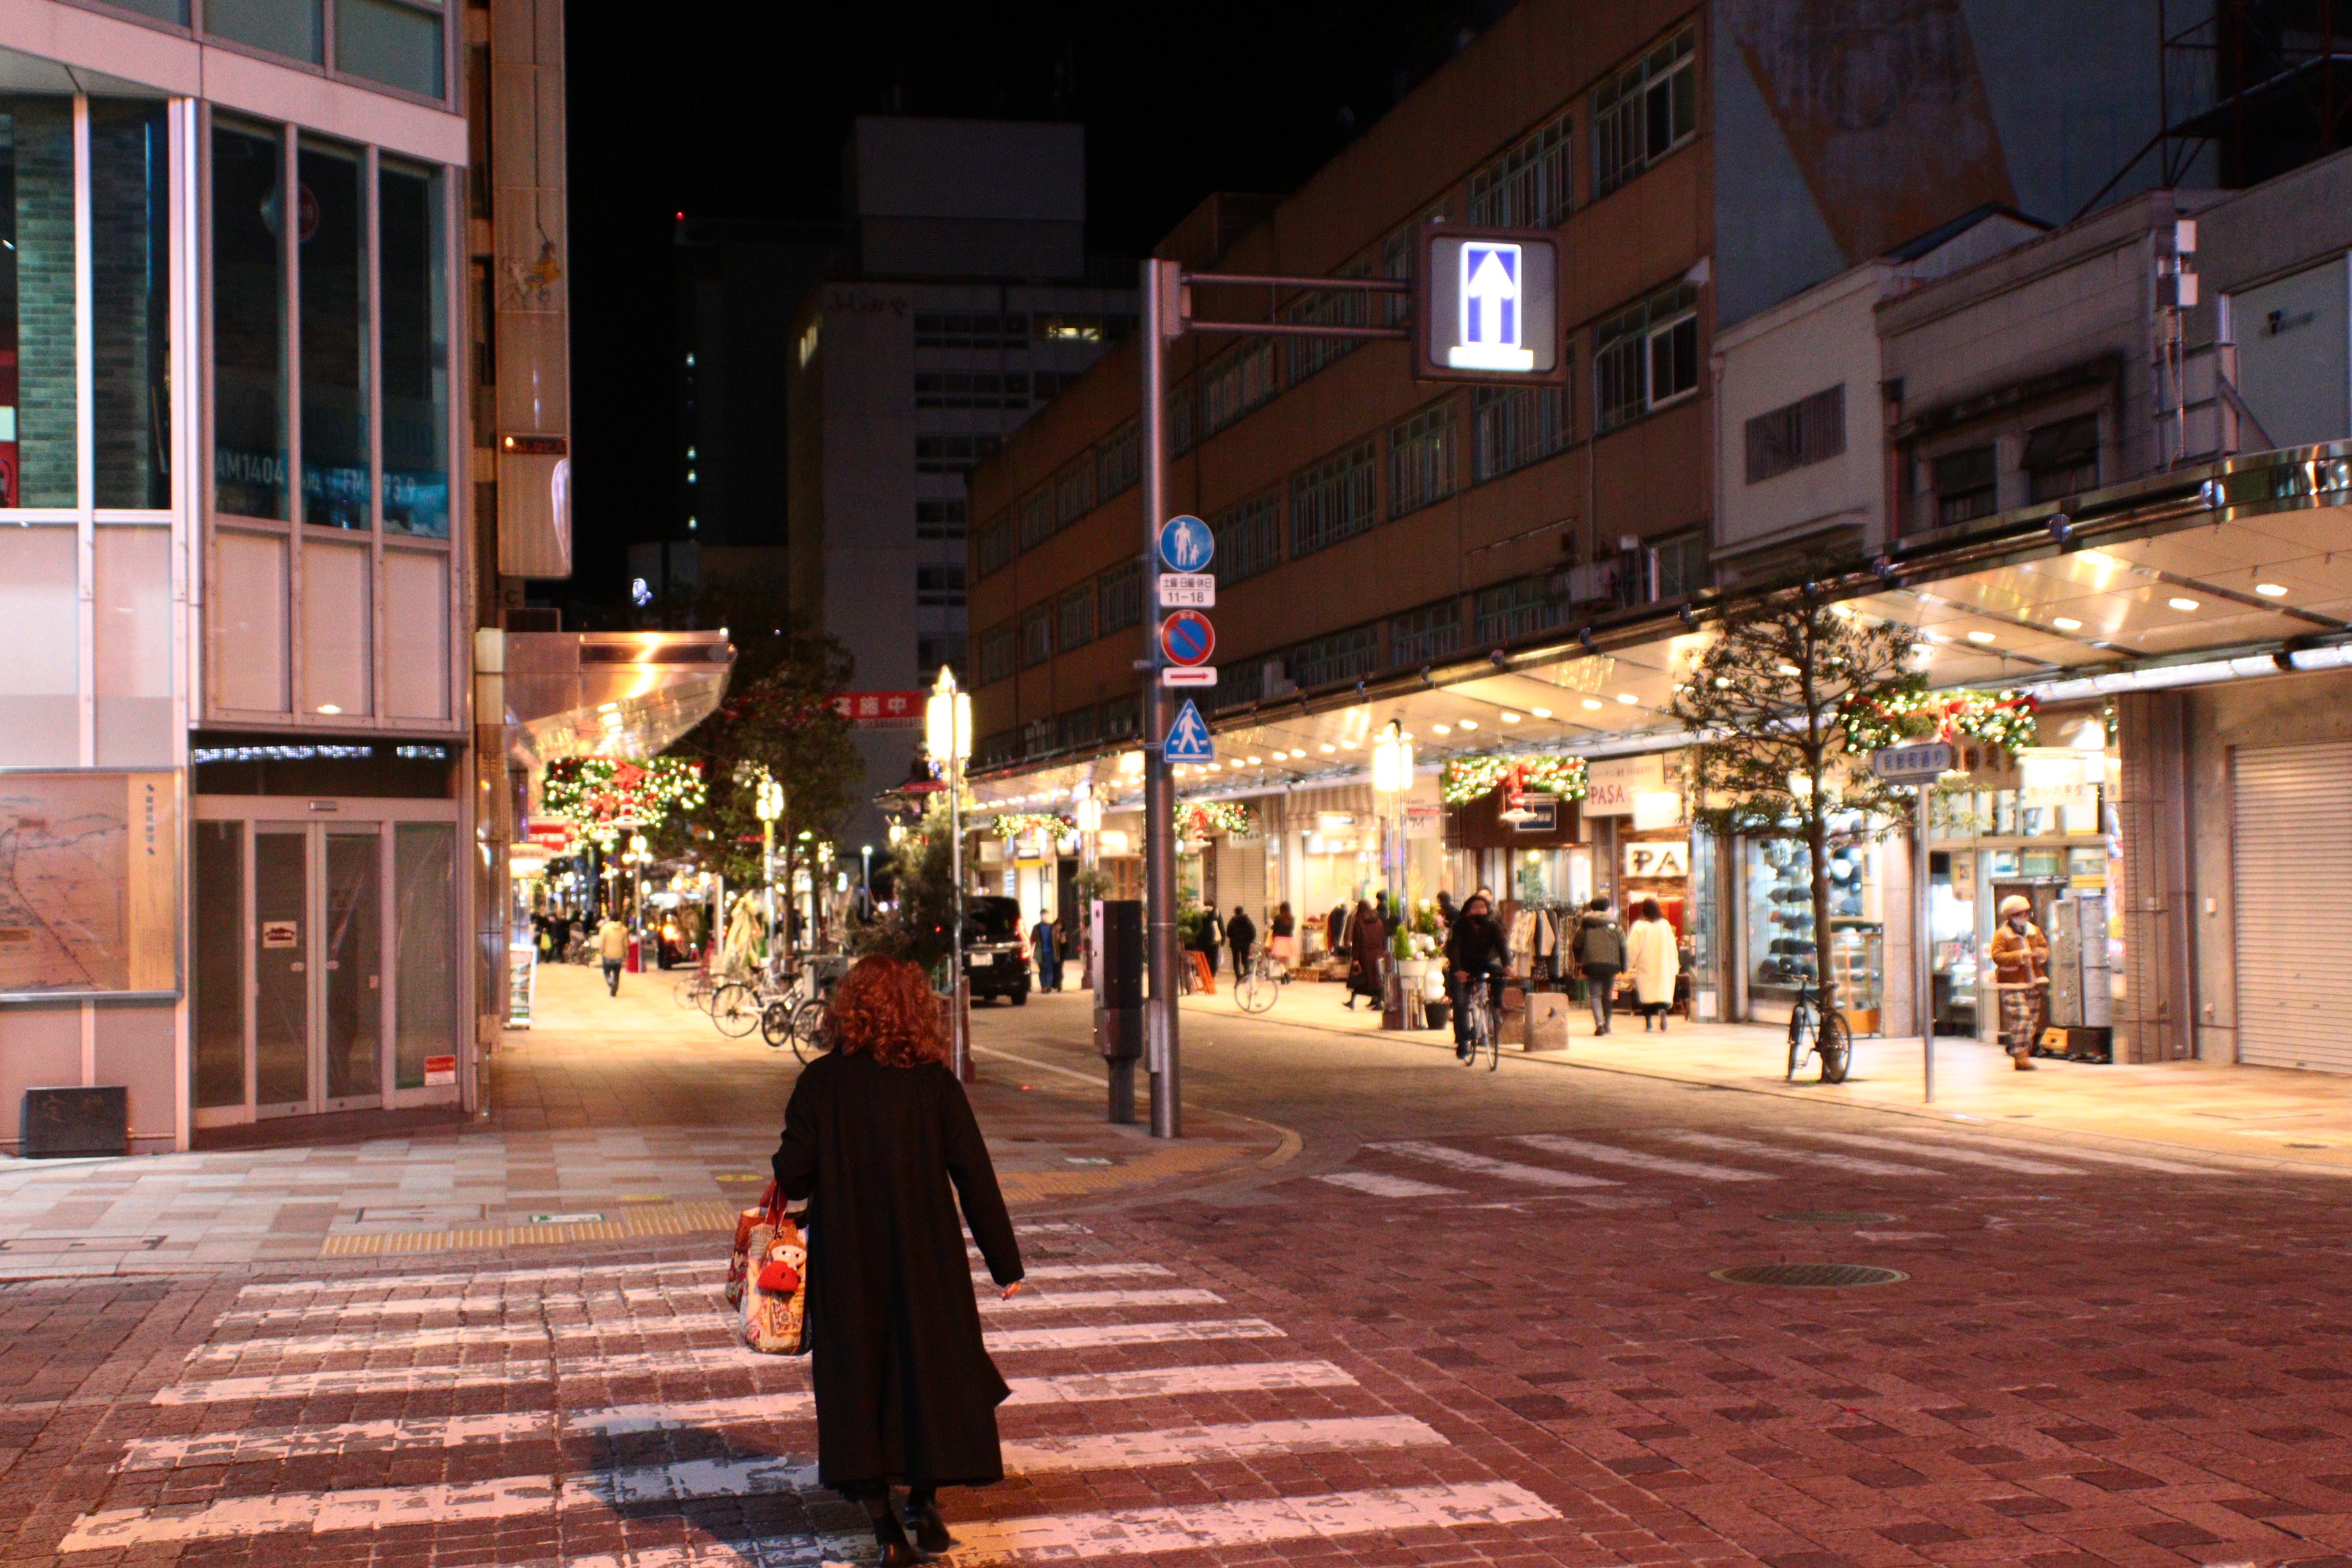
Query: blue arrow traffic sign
1188, 737
1186, 544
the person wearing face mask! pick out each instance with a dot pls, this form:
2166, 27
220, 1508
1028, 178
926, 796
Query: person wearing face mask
2020, 965
1474, 956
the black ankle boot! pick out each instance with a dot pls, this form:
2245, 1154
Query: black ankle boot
890, 1537
931, 1529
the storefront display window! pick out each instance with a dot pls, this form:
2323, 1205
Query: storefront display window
1783, 953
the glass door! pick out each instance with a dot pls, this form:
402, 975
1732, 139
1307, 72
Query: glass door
283, 932
351, 967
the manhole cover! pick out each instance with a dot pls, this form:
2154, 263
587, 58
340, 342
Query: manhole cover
1831, 1217
1809, 1275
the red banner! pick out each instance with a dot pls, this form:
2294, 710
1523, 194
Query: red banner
881, 710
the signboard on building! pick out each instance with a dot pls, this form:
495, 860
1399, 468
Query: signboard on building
1485, 305
1657, 857
881, 710
89, 894
1614, 783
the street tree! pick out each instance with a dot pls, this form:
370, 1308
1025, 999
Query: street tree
1764, 703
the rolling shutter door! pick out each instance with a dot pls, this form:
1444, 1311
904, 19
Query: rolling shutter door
2292, 877
1240, 879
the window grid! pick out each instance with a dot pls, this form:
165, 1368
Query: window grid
1079, 727
1420, 636
1348, 308
995, 548
952, 454
1181, 408
1123, 716
972, 389
1967, 485
2061, 459
1077, 627
1644, 111
1512, 427
1681, 565
1036, 514
1073, 492
1645, 357
1249, 538
938, 520
1350, 655
995, 653
963, 330
1036, 636
1797, 434
1121, 594
1422, 460
1119, 462
1514, 610
941, 584
1528, 185
1333, 500
1240, 379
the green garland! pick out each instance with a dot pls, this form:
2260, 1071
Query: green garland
596, 795
2004, 719
1011, 825
1198, 820
1465, 779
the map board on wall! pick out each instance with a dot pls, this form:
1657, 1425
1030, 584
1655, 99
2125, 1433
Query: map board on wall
89, 883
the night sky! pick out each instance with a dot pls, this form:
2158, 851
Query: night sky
740, 110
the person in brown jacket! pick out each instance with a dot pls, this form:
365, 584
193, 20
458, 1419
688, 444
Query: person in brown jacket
2020, 954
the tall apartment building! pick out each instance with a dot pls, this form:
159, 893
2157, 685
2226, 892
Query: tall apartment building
970, 304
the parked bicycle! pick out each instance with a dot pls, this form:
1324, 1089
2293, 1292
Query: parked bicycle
796, 1017
1257, 990
696, 989
1813, 1032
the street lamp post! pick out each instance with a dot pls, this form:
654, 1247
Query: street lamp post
947, 735
1391, 777
768, 804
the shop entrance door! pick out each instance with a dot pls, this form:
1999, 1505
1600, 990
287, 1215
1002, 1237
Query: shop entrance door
318, 965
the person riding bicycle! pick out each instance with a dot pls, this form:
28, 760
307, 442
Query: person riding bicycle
1475, 947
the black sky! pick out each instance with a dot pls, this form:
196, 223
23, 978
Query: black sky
738, 111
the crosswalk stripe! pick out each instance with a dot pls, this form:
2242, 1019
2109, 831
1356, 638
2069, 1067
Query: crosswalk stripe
255, 1445
1380, 1184
2095, 1156
2015, 1163
487, 1277
1483, 1166
1819, 1159
1089, 1300
1610, 1154
443, 1503
703, 1290
420, 1379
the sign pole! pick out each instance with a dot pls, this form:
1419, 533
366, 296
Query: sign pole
1163, 322
1922, 986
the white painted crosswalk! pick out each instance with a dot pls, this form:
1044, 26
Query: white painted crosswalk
1380, 1184
2015, 1165
1486, 1165
1665, 1165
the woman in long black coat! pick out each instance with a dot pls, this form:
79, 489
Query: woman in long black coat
880, 1138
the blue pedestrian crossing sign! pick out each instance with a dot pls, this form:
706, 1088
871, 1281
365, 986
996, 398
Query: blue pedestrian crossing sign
1188, 737
1186, 544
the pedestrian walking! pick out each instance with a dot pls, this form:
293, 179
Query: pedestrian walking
2020, 976
1044, 944
613, 947
1371, 936
1282, 944
1598, 949
1209, 940
876, 1136
1241, 935
1446, 913
1651, 955
1476, 952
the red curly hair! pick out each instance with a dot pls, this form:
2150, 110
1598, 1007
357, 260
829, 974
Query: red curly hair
885, 1009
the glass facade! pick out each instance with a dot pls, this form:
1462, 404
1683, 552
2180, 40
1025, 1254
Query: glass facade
415, 356
130, 289
331, 269
37, 291
248, 324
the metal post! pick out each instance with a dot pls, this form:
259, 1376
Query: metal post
960, 1009
1922, 983
1163, 284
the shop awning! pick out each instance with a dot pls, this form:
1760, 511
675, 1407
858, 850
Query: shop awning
2234, 568
598, 694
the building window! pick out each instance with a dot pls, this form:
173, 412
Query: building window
1036, 515
1421, 636
1239, 380
1343, 307
1065, 328
1123, 717
938, 520
932, 652
1342, 655
1682, 564
1036, 636
941, 584
1516, 610
1073, 492
1078, 618
992, 751
130, 319
1420, 459
296, 28
1645, 358
1511, 426
995, 654
1119, 462
1644, 111
249, 456
1249, 538
1332, 500
2062, 459
1036, 737
387, 41
952, 454
1181, 403
337, 480
1081, 727
1396, 263
1121, 594
416, 315
1810, 430
994, 547
1527, 186
1967, 485
967, 329
972, 389
1239, 685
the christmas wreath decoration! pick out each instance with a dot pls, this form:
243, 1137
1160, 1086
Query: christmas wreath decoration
1198, 820
1011, 825
1465, 779
2003, 719
596, 795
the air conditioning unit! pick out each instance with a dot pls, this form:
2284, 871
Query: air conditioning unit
1586, 584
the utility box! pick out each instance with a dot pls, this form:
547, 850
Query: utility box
76, 1123
1119, 1014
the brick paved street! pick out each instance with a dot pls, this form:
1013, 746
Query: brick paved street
1458, 1317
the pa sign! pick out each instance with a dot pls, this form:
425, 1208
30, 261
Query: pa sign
1486, 305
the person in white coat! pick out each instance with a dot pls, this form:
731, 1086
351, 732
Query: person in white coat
1651, 955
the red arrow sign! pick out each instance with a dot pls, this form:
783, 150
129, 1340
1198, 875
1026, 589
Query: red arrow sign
1188, 638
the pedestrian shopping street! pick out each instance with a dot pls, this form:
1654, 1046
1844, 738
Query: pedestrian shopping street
1375, 1307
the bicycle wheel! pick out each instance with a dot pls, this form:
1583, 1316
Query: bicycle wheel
776, 1023
1800, 1037
1494, 1042
1837, 1047
808, 1027
736, 1009
690, 992
1256, 991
